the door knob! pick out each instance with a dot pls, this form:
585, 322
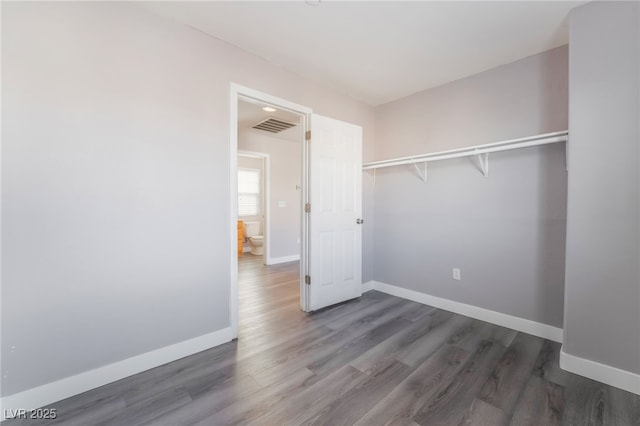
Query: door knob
359, 221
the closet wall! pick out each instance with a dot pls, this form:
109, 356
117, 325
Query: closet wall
602, 313
505, 232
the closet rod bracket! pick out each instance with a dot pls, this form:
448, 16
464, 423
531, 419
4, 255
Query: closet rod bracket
372, 173
422, 174
483, 161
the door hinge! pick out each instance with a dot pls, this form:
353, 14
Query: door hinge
307, 135
307, 208
307, 279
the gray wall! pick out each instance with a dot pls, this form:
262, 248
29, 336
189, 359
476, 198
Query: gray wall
602, 310
285, 173
506, 232
116, 230
523, 98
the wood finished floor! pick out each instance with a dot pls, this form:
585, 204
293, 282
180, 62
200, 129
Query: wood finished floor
377, 360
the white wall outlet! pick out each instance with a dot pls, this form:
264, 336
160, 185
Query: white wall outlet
282, 204
457, 274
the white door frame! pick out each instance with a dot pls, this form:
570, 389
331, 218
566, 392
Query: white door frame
266, 259
239, 93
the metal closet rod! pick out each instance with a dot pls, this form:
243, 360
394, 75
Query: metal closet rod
547, 138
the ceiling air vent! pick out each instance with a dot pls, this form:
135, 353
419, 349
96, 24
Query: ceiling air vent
273, 125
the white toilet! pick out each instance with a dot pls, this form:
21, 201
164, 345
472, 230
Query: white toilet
256, 241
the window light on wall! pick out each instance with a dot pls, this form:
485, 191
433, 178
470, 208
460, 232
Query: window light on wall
248, 192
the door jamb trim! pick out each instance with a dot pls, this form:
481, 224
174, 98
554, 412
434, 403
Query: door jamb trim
237, 93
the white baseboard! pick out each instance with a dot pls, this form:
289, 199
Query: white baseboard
612, 376
515, 323
69, 386
283, 259
368, 286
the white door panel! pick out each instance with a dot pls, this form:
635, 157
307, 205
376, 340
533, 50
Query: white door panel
335, 175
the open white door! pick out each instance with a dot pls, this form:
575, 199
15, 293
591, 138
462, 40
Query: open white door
335, 230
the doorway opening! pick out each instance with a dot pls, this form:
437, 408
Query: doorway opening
268, 191
253, 202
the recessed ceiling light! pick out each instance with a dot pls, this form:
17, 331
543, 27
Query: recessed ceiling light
268, 109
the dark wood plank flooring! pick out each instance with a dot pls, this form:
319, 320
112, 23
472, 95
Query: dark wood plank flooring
378, 360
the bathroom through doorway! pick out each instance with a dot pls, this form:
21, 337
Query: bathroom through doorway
253, 203
269, 209
269, 174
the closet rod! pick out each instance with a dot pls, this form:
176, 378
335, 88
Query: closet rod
472, 150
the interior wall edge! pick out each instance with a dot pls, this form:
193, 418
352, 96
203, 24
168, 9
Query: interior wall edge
616, 377
498, 318
79, 383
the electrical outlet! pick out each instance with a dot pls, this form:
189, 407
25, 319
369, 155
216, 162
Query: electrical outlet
457, 274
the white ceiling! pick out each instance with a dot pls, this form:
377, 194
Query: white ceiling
381, 51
